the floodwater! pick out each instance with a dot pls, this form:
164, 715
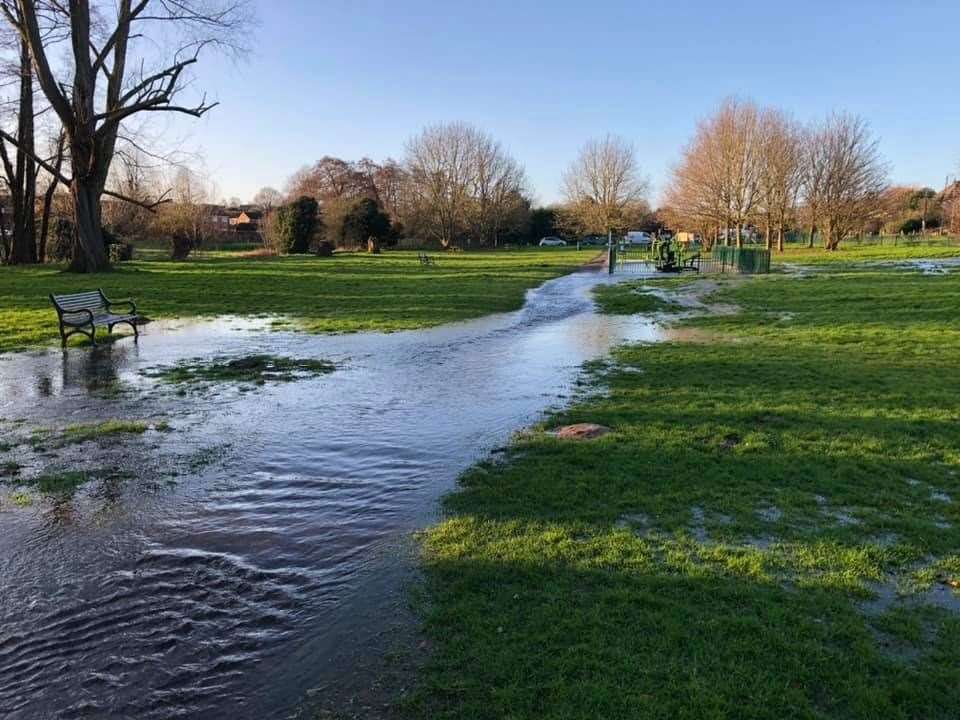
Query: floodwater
257, 554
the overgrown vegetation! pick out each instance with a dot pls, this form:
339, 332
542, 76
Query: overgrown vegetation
355, 292
256, 369
772, 529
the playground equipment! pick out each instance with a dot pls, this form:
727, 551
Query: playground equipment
673, 257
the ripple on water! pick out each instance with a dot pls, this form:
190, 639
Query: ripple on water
233, 591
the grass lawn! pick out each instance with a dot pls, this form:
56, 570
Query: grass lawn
341, 294
854, 253
772, 529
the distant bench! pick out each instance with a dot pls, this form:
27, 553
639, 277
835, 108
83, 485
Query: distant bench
425, 259
84, 312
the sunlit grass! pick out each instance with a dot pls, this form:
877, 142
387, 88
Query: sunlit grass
345, 293
757, 538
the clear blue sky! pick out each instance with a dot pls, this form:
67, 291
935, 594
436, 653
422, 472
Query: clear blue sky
351, 78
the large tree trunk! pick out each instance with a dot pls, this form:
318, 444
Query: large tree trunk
780, 238
89, 255
4, 236
769, 236
23, 190
831, 237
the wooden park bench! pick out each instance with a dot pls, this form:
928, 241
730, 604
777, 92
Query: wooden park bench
425, 259
86, 311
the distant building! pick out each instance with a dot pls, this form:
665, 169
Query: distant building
249, 219
246, 218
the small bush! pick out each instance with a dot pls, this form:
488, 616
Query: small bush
180, 246
913, 225
120, 251
291, 227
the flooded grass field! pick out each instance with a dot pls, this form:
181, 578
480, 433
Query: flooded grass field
241, 548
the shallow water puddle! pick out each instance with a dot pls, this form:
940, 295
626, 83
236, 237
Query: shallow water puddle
257, 549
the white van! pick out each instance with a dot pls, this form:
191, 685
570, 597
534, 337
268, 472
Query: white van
638, 237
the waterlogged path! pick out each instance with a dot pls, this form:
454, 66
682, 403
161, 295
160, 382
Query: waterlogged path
256, 554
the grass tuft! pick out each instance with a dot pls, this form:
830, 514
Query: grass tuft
256, 369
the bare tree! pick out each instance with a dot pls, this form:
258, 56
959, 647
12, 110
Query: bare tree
135, 81
440, 165
781, 170
186, 221
603, 187
268, 198
497, 189
845, 177
698, 193
19, 167
393, 189
950, 202
134, 176
332, 178
737, 136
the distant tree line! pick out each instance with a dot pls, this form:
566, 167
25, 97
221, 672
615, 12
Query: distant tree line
456, 186
748, 166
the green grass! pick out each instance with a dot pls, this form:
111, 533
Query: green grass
854, 253
256, 369
341, 294
631, 298
96, 431
717, 555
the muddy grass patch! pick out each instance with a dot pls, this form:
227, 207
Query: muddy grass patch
248, 370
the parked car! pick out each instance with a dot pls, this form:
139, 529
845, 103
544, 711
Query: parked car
589, 240
638, 237
552, 242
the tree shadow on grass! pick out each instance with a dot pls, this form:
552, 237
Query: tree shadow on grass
716, 555
540, 635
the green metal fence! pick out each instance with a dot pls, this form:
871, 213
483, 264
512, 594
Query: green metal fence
749, 261
746, 260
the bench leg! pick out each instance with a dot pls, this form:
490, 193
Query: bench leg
64, 336
136, 331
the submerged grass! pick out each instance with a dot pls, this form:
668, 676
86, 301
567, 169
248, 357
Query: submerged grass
79, 433
721, 552
58, 483
345, 293
631, 298
256, 369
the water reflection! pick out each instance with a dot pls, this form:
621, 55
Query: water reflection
230, 588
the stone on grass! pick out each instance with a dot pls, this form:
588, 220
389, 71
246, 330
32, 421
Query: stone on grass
582, 431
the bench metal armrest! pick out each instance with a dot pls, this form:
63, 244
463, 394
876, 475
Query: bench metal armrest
131, 303
71, 323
